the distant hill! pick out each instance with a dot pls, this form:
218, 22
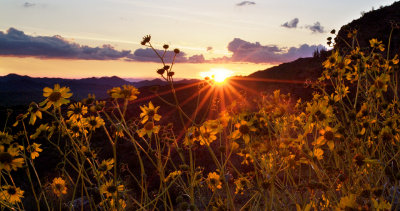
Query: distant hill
16, 89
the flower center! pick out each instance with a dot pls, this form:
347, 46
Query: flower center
112, 189
149, 126
11, 191
77, 110
151, 113
379, 84
5, 158
244, 129
55, 96
75, 129
58, 186
329, 135
93, 122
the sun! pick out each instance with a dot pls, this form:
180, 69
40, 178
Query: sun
218, 75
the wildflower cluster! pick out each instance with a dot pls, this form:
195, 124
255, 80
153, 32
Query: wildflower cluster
337, 151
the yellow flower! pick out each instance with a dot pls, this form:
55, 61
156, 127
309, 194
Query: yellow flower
39, 130
243, 130
5, 138
34, 150
59, 187
377, 44
241, 183
9, 160
328, 136
11, 194
207, 135
213, 181
35, 113
110, 189
341, 91
56, 97
149, 128
77, 110
149, 112
193, 134
76, 128
347, 203
317, 153
331, 61
172, 175
98, 106
380, 84
128, 92
105, 166
94, 122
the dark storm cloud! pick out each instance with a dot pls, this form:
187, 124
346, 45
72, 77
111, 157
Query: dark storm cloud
316, 28
244, 3
291, 24
243, 51
17, 43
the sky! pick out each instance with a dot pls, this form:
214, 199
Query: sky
76, 39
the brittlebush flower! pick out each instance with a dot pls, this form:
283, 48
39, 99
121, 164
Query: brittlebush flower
110, 189
59, 187
327, 136
149, 112
5, 138
207, 135
39, 130
34, 149
11, 194
193, 134
213, 181
243, 130
105, 166
56, 97
128, 92
77, 128
172, 175
35, 113
331, 61
77, 110
377, 44
380, 84
241, 183
148, 129
9, 159
93, 122
317, 153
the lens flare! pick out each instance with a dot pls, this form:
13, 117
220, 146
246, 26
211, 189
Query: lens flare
217, 74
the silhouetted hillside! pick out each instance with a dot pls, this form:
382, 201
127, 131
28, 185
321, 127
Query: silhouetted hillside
374, 24
16, 89
290, 77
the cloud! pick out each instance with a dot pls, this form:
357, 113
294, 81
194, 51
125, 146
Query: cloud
316, 28
291, 24
196, 59
148, 55
28, 4
17, 43
244, 3
243, 51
